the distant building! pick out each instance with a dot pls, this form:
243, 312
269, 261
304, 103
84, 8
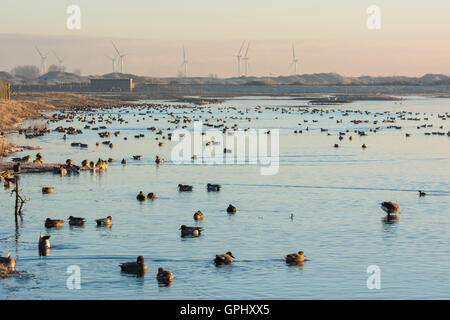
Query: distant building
5, 90
112, 84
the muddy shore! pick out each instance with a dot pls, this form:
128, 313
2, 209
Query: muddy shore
32, 105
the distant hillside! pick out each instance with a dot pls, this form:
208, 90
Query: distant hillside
57, 77
320, 79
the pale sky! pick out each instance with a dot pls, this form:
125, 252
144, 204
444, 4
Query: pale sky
329, 36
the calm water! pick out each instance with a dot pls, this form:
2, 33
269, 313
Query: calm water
334, 195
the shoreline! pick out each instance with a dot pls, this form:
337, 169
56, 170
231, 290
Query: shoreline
31, 105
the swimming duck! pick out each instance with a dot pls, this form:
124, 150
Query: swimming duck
7, 263
389, 207
141, 196
199, 215
231, 209
185, 187
151, 195
213, 187
164, 276
53, 223
190, 231
137, 267
224, 259
422, 193
295, 258
47, 190
104, 221
76, 221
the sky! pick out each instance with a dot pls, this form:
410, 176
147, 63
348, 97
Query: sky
328, 35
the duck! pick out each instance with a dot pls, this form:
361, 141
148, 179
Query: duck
53, 223
141, 196
47, 190
137, 267
104, 221
295, 258
224, 259
76, 221
44, 245
159, 160
164, 276
7, 263
151, 195
422, 193
199, 215
389, 207
185, 187
213, 187
190, 231
231, 209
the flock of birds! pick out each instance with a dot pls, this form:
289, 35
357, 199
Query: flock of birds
92, 116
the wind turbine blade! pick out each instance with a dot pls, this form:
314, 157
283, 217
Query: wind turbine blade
240, 50
246, 51
117, 50
39, 52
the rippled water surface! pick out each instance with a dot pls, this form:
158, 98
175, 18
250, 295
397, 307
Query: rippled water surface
334, 195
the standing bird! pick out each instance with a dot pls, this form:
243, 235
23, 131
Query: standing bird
224, 259
390, 207
137, 267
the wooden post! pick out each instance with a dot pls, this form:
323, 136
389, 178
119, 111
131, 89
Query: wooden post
16, 190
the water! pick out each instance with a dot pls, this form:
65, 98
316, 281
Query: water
334, 195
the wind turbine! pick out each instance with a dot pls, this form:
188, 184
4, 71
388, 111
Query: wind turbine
60, 61
238, 56
294, 60
113, 61
185, 63
43, 60
120, 56
246, 59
